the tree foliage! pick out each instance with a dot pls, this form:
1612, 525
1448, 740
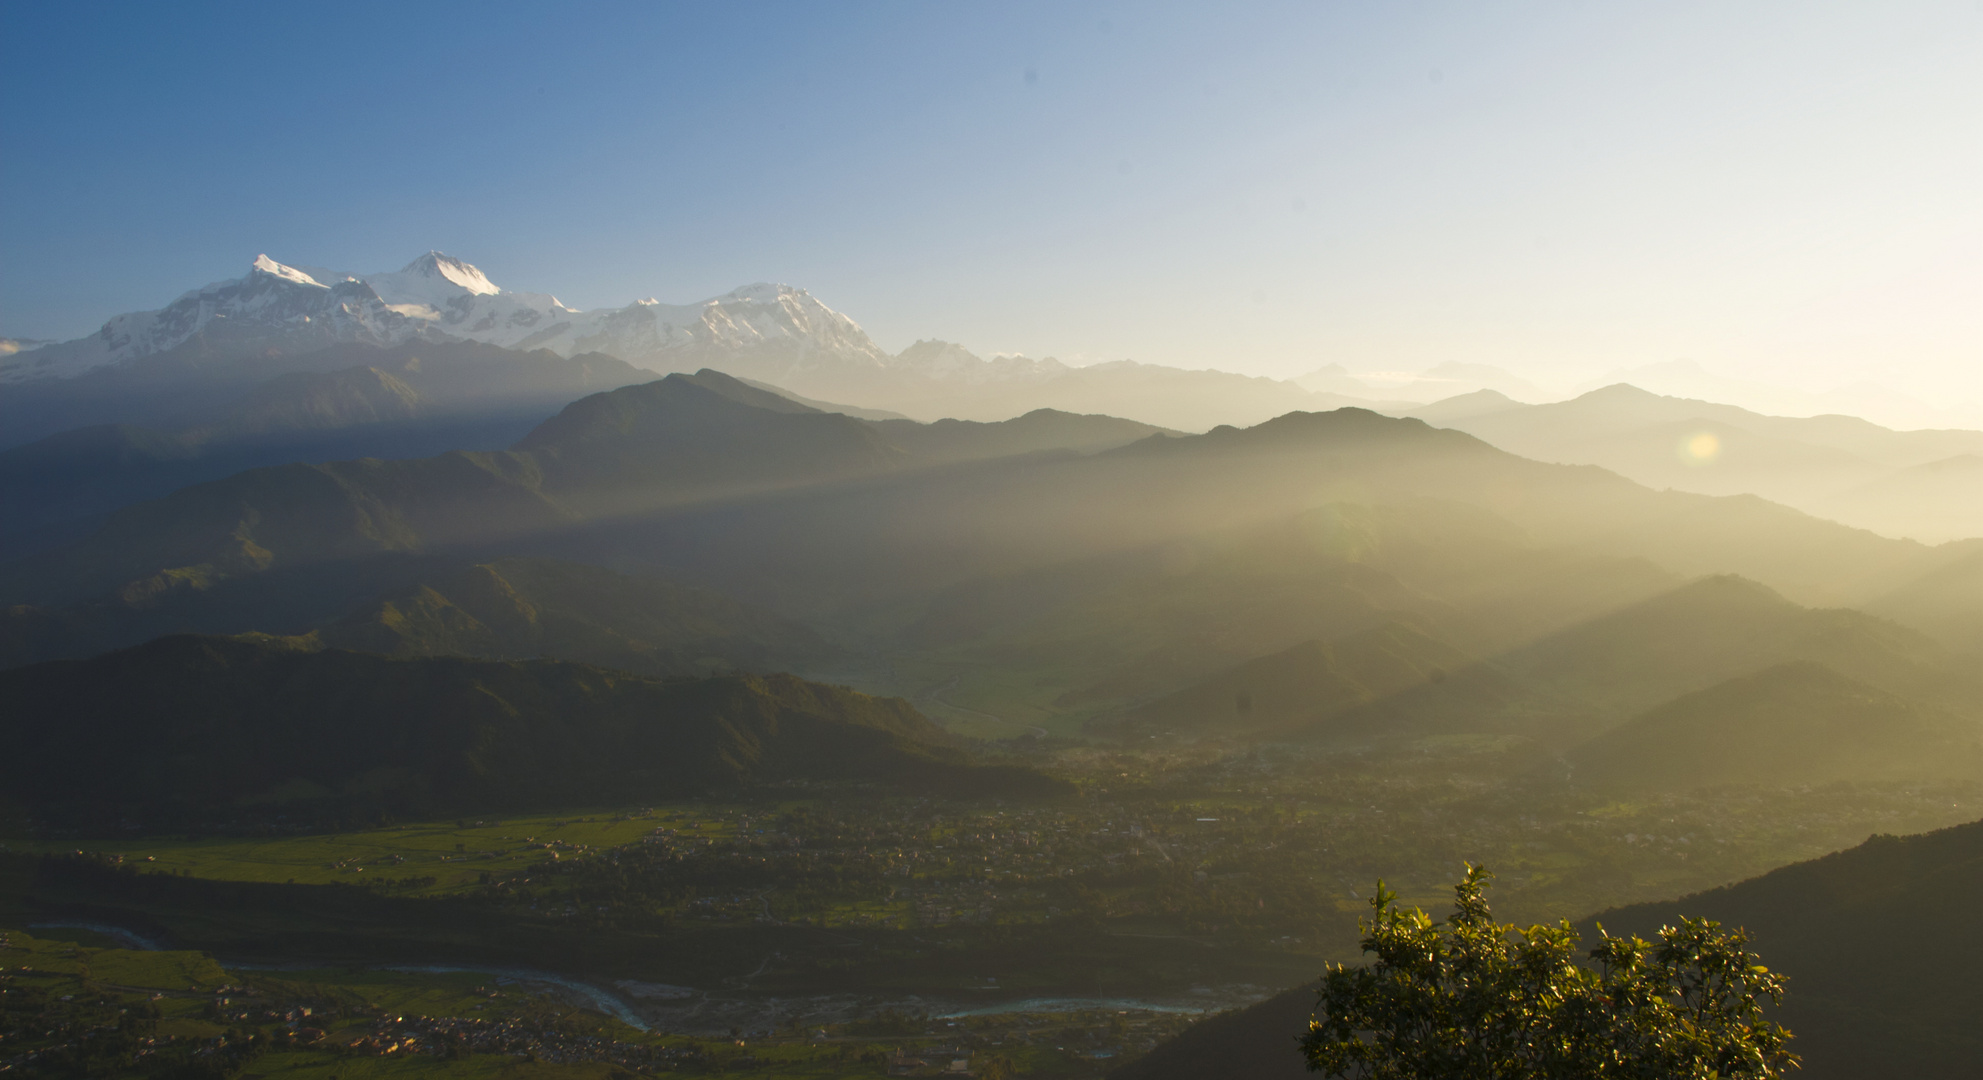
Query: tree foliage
1472, 999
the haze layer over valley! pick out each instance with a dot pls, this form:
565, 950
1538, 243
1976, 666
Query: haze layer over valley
554, 579
991, 541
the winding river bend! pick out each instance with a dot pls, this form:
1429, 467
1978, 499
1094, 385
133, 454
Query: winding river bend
687, 1010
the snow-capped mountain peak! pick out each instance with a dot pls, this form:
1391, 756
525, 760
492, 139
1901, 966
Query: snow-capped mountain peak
265, 265
773, 330
452, 270
434, 280
762, 292
273, 306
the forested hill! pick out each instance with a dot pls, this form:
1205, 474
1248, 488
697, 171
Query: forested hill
1260, 1042
667, 443
1881, 944
522, 608
204, 727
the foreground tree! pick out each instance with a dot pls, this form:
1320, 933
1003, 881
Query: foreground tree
1473, 999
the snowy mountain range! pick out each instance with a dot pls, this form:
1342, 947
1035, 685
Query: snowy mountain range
774, 328
278, 316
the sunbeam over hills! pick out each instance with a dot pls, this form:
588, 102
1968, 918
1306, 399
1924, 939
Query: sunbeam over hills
1015, 542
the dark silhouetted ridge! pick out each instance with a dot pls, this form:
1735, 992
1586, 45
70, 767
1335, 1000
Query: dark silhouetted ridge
199, 727
1879, 943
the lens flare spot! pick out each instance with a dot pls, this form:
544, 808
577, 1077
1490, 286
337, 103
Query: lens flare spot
1701, 449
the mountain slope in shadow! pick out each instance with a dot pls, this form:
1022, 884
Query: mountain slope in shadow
1946, 601
1313, 678
343, 403
1576, 683
820, 517
634, 450
1789, 725
520, 608
1876, 942
199, 727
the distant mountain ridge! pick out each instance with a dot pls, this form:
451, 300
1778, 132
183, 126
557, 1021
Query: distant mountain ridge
638, 448
1201, 551
1923, 484
1670, 683
440, 298
773, 333
1797, 723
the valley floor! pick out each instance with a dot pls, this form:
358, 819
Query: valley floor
828, 927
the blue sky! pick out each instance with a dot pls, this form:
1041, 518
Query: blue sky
1786, 191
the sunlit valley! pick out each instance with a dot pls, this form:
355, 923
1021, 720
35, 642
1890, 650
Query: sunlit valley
405, 675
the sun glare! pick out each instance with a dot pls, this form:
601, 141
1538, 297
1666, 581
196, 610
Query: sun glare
1701, 449
974, 534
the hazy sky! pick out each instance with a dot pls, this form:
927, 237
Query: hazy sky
1784, 191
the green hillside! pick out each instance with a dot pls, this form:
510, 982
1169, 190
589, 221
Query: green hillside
1034, 589
654, 446
1713, 629
1129, 626
522, 608
1259, 1042
1106, 633
701, 434
670, 443
204, 386
1035, 432
1397, 681
335, 404
918, 533
1880, 943
196, 727
1947, 601
1311, 680
292, 516
1594, 674
1792, 724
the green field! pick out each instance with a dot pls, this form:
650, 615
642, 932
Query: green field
455, 854
829, 926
